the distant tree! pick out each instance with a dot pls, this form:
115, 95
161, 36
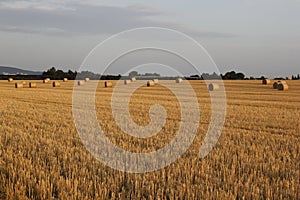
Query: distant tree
215, 76
278, 78
59, 74
230, 75
88, 74
196, 77
52, 71
205, 76
234, 76
240, 76
55, 74
150, 74
71, 75
133, 74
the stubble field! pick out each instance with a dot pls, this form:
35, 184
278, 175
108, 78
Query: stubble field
256, 157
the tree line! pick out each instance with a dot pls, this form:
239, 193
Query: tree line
57, 74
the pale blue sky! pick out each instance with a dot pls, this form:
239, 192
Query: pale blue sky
257, 37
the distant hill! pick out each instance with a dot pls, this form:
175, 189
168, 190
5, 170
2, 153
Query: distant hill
14, 71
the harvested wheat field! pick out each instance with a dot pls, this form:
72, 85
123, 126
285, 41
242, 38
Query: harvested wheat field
256, 157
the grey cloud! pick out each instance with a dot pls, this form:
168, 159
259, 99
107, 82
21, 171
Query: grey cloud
32, 30
34, 4
86, 18
208, 34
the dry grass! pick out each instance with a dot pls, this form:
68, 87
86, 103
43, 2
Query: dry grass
42, 157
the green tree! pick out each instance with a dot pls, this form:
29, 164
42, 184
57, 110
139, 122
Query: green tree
133, 74
52, 71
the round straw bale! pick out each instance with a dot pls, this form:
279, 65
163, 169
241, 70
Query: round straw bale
80, 83
108, 84
87, 79
150, 83
213, 86
155, 81
133, 79
65, 80
32, 85
18, 85
283, 86
24, 82
126, 82
10, 80
45, 81
275, 85
178, 80
56, 84
266, 81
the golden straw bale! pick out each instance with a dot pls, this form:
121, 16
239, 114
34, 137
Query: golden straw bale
126, 82
275, 85
45, 81
133, 79
56, 84
266, 81
283, 86
32, 85
18, 85
65, 80
10, 80
213, 86
178, 80
150, 83
155, 81
80, 83
87, 79
108, 84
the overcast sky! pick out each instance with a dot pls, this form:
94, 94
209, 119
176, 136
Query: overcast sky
257, 37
